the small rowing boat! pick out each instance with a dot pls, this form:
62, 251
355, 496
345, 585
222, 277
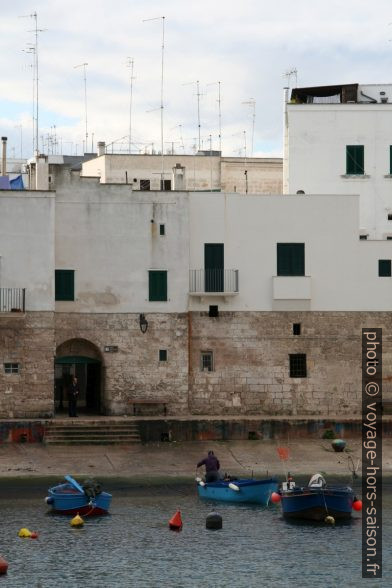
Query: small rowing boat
71, 498
242, 490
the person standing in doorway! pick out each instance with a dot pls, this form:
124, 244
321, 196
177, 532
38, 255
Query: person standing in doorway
73, 393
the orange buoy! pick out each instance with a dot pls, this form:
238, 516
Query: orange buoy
175, 523
275, 497
34, 535
357, 505
3, 566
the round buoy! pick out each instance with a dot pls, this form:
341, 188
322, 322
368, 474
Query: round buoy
214, 521
275, 497
49, 500
24, 533
77, 521
3, 566
234, 487
329, 520
357, 505
175, 523
34, 535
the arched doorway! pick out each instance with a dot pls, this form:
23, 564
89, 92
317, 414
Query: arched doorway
80, 358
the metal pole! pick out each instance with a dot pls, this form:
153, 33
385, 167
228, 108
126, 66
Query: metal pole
130, 65
84, 65
198, 109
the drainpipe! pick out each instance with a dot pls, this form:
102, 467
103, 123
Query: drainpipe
4, 157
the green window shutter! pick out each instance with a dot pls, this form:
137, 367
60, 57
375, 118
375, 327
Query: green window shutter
64, 285
355, 160
290, 259
157, 286
384, 268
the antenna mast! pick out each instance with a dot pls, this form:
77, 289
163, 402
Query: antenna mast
84, 66
162, 64
198, 94
130, 65
252, 103
219, 113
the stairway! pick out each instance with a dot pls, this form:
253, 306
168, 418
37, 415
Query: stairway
91, 432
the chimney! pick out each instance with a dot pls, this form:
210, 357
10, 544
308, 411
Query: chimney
101, 148
4, 157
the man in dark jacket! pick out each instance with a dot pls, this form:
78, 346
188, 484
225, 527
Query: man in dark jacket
212, 466
73, 393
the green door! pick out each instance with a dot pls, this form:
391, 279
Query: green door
213, 266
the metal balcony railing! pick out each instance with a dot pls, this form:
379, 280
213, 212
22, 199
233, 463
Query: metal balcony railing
12, 299
213, 280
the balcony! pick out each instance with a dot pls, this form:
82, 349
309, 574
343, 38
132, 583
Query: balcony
12, 299
213, 282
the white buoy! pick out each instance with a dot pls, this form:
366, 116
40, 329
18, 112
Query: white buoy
201, 483
234, 487
198, 479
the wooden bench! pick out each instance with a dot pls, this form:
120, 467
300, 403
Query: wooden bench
138, 402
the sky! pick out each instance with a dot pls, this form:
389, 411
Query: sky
247, 46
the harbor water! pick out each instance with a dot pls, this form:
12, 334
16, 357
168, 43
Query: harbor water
133, 547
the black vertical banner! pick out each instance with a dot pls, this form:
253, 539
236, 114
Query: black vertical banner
371, 453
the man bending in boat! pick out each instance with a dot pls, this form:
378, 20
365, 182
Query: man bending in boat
212, 466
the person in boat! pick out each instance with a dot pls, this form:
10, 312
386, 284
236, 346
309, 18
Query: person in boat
212, 466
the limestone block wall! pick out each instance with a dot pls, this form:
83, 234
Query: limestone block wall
28, 340
135, 371
251, 362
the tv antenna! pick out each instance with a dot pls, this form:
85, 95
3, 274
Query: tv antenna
130, 64
34, 51
293, 72
198, 94
161, 107
84, 66
219, 113
252, 104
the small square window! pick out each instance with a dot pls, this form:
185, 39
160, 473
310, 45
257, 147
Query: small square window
207, 361
11, 368
298, 365
389, 216
389, 238
363, 237
145, 185
163, 355
162, 230
296, 328
384, 268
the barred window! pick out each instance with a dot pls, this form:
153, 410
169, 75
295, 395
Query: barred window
207, 361
298, 365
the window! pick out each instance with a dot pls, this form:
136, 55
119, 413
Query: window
207, 361
11, 368
291, 259
298, 365
64, 285
363, 237
389, 216
145, 185
296, 328
166, 185
162, 230
355, 160
384, 268
157, 286
163, 355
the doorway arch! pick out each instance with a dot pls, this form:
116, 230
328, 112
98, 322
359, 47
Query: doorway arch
80, 358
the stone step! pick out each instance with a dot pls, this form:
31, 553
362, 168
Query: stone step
78, 434
92, 441
93, 433
102, 430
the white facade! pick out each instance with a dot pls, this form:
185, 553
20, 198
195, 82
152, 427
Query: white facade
315, 161
27, 246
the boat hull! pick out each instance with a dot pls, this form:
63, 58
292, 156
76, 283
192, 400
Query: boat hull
64, 499
250, 491
316, 504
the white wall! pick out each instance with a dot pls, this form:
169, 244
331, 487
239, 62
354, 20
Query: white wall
27, 246
318, 135
105, 234
343, 270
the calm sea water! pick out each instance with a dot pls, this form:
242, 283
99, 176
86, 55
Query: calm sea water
133, 547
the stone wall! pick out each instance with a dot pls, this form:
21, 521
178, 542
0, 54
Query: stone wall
135, 371
251, 362
28, 340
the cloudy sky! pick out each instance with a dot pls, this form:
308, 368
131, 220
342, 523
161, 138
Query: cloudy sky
246, 45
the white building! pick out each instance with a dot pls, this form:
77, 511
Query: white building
338, 141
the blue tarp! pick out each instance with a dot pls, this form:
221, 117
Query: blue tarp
17, 183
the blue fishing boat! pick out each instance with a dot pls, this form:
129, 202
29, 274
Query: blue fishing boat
317, 500
241, 490
71, 498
